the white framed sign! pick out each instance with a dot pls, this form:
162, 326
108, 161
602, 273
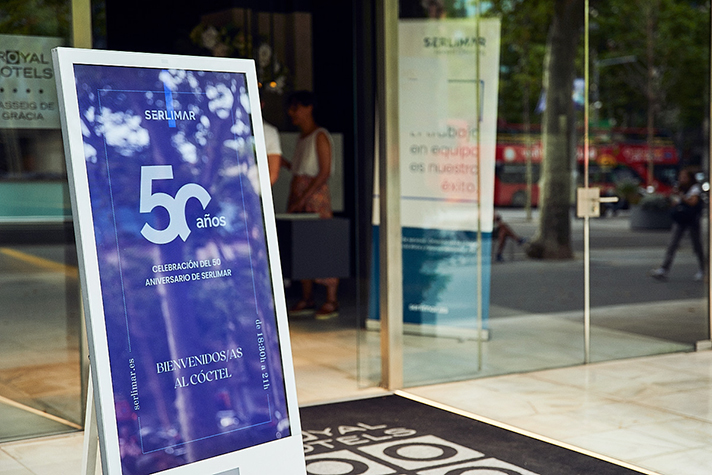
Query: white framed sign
186, 314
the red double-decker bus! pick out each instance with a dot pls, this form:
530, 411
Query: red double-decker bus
615, 156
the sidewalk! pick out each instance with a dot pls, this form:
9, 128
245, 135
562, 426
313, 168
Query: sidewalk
620, 261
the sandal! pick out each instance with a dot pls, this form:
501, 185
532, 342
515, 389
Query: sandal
328, 310
302, 307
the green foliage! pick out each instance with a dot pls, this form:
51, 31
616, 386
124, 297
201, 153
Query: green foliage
629, 190
617, 28
35, 17
681, 59
524, 30
654, 202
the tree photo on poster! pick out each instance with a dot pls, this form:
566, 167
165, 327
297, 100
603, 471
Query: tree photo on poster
190, 316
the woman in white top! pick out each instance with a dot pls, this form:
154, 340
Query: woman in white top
309, 192
689, 200
274, 151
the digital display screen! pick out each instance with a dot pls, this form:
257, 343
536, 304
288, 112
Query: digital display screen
187, 292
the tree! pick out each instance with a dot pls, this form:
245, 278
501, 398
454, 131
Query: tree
35, 17
528, 56
521, 57
664, 86
553, 238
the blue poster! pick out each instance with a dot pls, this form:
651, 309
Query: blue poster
440, 275
185, 279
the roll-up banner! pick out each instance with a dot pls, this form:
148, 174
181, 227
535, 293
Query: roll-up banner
448, 129
180, 271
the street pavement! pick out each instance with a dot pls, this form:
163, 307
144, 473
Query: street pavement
675, 309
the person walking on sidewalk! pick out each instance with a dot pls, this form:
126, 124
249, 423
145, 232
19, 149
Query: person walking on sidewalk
686, 212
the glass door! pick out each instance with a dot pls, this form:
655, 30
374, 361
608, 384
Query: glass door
40, 322
448, 72
649, 149
491, 252
536, 298
506, 266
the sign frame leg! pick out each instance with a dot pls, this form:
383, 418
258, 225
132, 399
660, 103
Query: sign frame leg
91, 435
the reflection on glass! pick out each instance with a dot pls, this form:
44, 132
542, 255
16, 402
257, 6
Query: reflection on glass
40, 385
649, 87
448, 75
649, 93
533, 303
39, 342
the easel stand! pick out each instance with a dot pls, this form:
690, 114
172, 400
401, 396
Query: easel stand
91, 462
90, 455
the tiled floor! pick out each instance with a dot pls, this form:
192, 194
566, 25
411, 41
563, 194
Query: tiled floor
46, 456
652, 412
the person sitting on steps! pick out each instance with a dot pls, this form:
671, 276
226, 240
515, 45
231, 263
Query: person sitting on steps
501, 232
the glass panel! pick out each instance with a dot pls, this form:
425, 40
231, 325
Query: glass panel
649, 99
536, 302
447, 116
40, 383
512, 105
448, 94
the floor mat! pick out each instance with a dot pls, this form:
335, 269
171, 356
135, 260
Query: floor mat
399, 436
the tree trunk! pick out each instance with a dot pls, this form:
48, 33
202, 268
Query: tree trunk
553, 238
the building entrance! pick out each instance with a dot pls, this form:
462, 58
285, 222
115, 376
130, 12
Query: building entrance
482, 295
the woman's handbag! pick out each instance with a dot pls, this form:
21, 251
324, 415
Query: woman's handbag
684, 214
